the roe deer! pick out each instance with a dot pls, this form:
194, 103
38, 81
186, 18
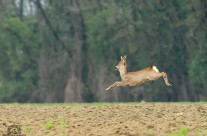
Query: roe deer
139, 77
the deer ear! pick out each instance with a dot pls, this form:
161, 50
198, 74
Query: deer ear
121, 57
124, 57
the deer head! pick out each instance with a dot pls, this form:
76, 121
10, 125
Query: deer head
122, 66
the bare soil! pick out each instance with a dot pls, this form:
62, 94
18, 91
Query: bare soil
145, 119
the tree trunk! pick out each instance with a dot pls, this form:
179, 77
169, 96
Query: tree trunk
74, 87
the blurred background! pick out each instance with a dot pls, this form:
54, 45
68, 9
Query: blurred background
66, 50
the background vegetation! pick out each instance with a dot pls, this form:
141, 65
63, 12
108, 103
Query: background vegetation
66, 50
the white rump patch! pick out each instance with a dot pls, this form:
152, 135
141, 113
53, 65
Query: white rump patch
155, 69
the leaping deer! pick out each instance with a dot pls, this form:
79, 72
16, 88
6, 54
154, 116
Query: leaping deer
139, 77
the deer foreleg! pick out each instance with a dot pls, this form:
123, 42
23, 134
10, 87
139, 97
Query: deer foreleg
116, 84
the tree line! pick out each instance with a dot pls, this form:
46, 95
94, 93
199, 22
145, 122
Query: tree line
66, 50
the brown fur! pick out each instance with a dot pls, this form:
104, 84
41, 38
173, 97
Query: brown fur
137, 78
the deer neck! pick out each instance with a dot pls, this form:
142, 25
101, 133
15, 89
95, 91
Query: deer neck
123, 72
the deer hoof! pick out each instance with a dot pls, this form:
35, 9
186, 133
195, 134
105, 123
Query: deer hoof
169, 85
107, 88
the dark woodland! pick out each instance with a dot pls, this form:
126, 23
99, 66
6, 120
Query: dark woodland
54, 51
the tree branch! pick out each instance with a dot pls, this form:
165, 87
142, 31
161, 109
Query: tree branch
47, 21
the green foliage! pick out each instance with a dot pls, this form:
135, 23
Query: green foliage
28, 131
201, 132
168, 34
65, 126
56, 123
198, 71
49, 126
183, 132
19, 65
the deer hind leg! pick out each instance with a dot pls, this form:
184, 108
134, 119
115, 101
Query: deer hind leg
116, 84
164, 75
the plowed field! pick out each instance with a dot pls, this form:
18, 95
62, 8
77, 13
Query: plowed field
143, 119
